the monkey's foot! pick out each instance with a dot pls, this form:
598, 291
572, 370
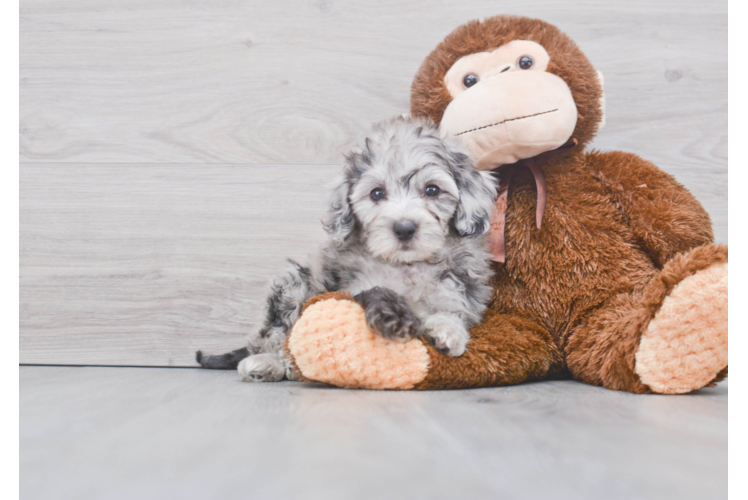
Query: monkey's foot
684, 347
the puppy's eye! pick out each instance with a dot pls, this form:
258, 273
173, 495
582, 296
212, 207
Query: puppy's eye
432, 190
524, 62
377, 194
469, 80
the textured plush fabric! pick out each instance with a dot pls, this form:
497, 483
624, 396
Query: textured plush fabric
504, 349
685, 345
532, 113
430, 97
331, 343
604, 349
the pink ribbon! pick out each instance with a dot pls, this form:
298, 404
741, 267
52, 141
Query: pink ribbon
496, 236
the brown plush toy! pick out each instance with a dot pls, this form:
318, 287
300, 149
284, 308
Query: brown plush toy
605, 266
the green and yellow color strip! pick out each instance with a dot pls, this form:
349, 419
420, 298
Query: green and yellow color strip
737, 275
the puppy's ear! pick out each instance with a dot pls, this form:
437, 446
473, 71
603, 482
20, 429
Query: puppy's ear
339, 220
477, 195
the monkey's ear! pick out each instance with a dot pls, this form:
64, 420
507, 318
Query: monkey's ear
477, 196
339, 220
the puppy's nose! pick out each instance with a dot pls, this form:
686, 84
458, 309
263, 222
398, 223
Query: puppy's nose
405, 229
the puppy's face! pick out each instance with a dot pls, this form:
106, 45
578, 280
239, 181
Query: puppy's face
404, 203
407, 191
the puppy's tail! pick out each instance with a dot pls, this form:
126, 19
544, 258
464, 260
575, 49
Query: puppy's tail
228, 361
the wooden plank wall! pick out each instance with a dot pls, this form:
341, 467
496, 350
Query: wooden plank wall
174, 153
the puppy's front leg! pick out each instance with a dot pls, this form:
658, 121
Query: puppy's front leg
447, 333
388, 314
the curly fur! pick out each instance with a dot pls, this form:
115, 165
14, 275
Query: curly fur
434, 283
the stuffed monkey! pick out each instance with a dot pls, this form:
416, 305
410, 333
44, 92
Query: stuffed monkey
605, 266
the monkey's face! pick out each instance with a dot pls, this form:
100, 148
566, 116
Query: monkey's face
509, 88
506, 107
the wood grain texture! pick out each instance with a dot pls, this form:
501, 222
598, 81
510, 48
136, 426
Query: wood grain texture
148, 433
298, 81
175, 152
143, 265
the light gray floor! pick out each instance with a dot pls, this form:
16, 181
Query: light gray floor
162, 433
738, 431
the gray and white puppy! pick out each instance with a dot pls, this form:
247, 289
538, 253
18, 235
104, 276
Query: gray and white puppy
407, 223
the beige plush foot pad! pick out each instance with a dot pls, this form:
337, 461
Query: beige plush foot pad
685, 345
331, 343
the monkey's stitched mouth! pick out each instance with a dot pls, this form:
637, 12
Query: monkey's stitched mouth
507, 120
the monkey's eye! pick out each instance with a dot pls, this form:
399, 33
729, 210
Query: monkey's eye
524, 62
377, 194
432, 190
469, 80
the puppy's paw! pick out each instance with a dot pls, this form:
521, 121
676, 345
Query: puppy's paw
447, 333
290, 374
388, 314
264, 367
288, 371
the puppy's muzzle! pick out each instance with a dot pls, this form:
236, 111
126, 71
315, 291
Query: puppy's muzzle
404, 230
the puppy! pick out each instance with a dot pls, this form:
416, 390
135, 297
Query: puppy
407, 223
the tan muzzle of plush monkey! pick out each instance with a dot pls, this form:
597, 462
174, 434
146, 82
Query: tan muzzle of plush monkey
506, 107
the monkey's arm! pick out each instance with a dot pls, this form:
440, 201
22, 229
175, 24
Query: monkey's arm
331, 343
664, 215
